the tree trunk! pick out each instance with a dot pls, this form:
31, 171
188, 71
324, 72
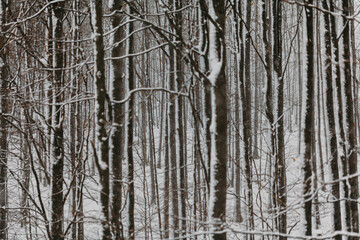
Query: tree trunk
101, 98
330, 105
58, 155
4, 78
117, 146
131, 81
280, 178
351, 142
172, 142
218, 166
309, 119
180, 115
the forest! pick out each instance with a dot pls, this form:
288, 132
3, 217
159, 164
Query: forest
179, 119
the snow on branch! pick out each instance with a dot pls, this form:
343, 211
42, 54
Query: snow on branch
159, 89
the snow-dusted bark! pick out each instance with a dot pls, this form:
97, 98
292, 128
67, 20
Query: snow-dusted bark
102, 153
246, 98
309, 119
330, 106
57, 200
280, 166
340, 112
218, 128
117, 91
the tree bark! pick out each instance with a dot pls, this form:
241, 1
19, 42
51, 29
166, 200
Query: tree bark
117, 146
102, 121
309, 119
280, 175
330, 106
4, 78
130, 158
351, 153
218, 166
58, 155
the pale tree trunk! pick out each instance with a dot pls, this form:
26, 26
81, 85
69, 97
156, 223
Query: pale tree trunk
102, 153
58, 155
218, 130
309, 120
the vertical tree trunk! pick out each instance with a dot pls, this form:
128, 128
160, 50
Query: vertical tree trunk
166, 179
239, 43
309, 119
117, 146
351, 142
300, 79
58, 155
247, 124
218, 166
131, 80
180, 115
4, 75
280, 156
172, 142
101, 98
330, 105
204, 65
49, 92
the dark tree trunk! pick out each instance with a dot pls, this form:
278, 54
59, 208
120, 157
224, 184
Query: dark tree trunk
180, 115
339, 92
280, 179
309, 119
351, 153
330, 105
247, 124
4, 78
218, 166
166, 180
118, 69
204, 64
240, 72
58, 157
131, 81
101, 99
172, 142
